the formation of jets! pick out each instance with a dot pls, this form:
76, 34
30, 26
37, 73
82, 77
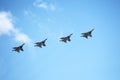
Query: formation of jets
62, 39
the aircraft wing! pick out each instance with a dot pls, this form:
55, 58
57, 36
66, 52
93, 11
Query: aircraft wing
86, 37
15, 47
62, 37
18, 51
63, 40
37, 43
82, 33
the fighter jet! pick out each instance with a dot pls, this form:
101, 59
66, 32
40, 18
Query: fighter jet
40, 44
87, 34
65, 39
19, 48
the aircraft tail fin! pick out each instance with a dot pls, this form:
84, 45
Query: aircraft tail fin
45, 39
71, 34
92, 30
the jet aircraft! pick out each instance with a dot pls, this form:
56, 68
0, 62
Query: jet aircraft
41, 43
65, 39
87, 34
19, 48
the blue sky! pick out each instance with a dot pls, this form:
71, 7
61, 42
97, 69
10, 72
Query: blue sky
29, 21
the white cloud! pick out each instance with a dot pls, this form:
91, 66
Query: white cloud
5, 23
44, 5
7, 27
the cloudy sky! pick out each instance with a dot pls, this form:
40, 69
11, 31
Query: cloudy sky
30, 21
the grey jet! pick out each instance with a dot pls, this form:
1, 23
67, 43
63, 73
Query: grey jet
65, 39
87, 34
41, 43
19, 48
